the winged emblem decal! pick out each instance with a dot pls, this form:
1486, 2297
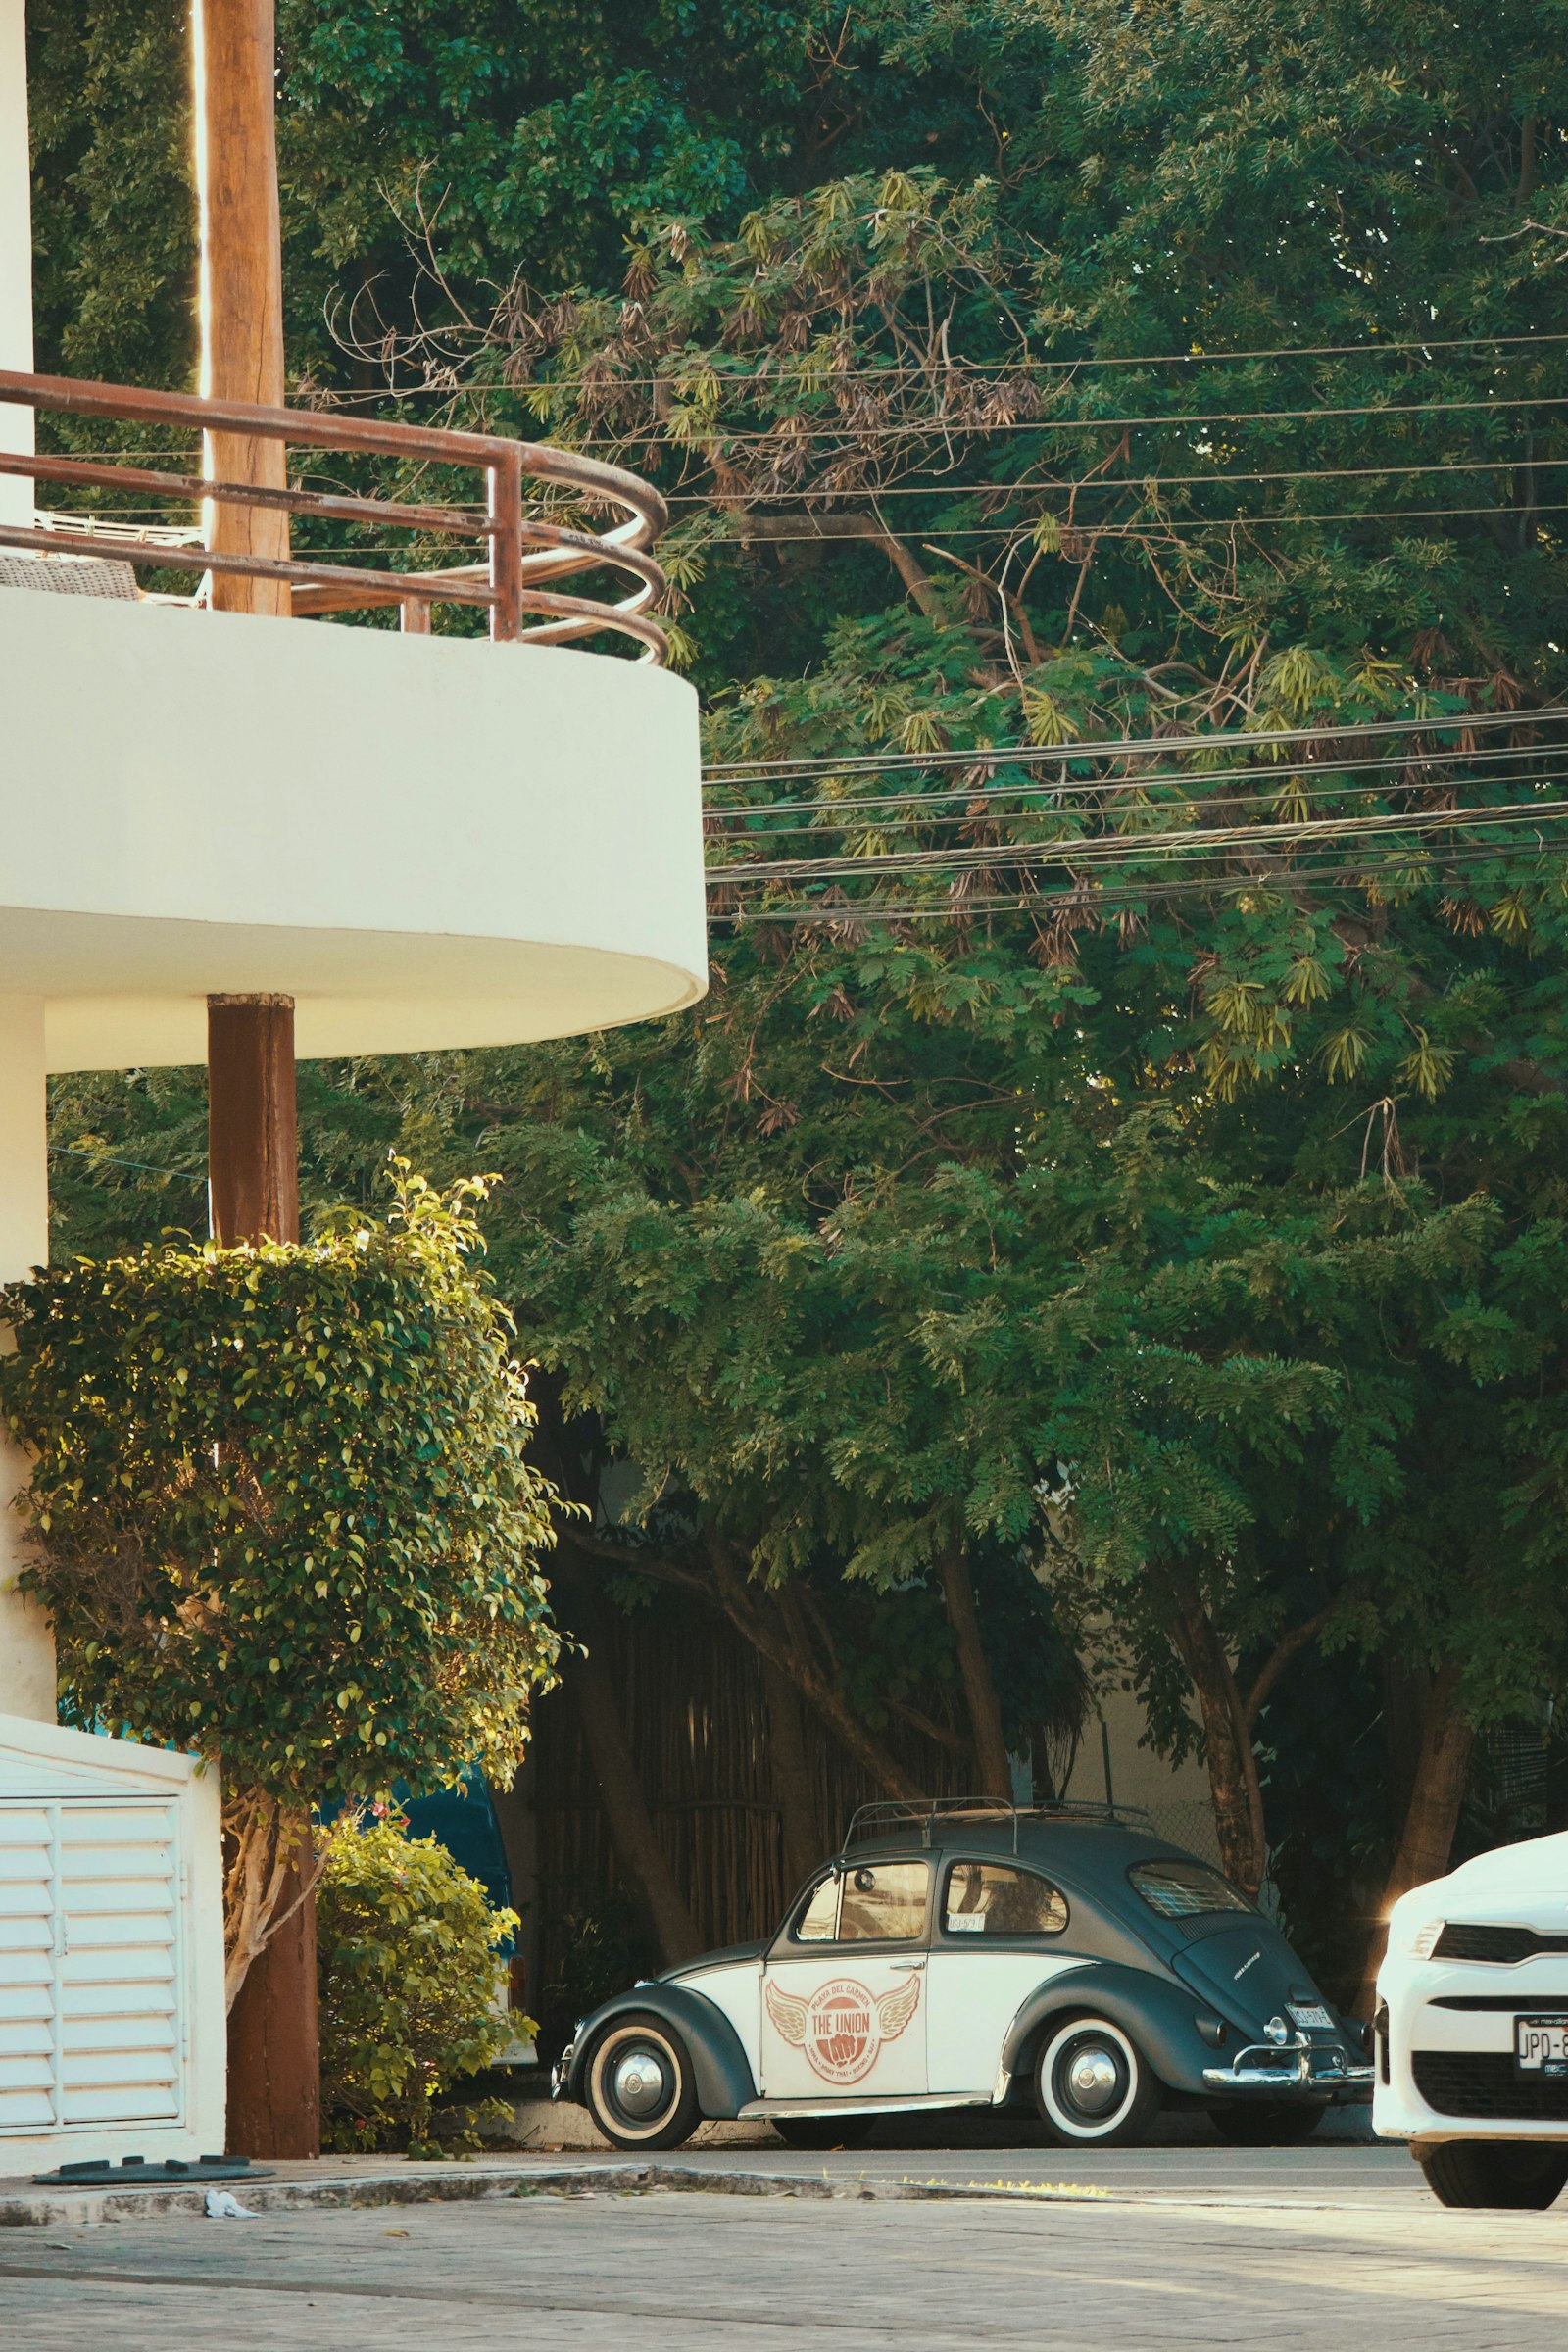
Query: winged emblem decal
842, 2027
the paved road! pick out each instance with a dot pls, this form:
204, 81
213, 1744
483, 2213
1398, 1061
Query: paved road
1337, 2248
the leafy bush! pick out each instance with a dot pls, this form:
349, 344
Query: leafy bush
282, 1513
407, 1963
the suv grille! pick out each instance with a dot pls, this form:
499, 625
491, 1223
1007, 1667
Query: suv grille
1482, 2083
1502, 1946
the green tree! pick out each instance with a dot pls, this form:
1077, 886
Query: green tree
282, 1515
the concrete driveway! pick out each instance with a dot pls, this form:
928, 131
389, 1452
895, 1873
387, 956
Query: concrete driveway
1338, 2247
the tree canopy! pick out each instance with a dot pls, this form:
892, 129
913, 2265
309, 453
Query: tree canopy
1115, 459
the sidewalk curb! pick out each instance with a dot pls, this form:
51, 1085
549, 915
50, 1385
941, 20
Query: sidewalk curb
459, 2183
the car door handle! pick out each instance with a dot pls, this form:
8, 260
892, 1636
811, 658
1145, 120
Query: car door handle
901, 1967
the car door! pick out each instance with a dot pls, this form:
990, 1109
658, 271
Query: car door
844, 1989
1001, 1929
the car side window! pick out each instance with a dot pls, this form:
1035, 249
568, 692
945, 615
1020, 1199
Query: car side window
819, 1921
884, 1903
994, 1898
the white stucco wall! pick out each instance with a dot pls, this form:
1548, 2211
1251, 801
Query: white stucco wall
27, 1647
16, 249
427, 841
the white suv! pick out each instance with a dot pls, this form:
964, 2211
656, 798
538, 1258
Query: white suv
1471, 2027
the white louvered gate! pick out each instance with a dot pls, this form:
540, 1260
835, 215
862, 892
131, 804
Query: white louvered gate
92, 2007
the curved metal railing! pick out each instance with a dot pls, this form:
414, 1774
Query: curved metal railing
525, 551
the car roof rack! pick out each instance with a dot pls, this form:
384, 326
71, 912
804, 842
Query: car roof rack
888, 1817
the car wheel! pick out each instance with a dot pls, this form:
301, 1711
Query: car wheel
1516, 2174
1271, 2125
823, 2131
639, 2084
1093, 2086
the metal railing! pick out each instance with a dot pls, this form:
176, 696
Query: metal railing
525, 551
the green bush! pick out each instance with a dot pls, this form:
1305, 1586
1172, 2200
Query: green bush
408, 1967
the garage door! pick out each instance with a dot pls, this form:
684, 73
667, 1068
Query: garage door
90, 1977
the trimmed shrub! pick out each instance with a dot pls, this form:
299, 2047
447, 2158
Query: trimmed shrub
408, 1974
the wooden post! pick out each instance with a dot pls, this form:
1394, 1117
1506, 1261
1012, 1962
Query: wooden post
252, 1151
275, 2068
241, 279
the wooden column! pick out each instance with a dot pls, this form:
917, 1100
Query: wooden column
241, 279
253, 1148
274, 2069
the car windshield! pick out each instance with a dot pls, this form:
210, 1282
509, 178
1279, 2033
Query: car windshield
1179, 1890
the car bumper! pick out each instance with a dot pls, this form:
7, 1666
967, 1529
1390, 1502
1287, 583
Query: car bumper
1292, 2066
560, 2073
1446, 2050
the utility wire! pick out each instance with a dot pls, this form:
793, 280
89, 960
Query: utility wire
1122, 848
1109, 890
1134, 481
1189, 358
1115, 747
845, 816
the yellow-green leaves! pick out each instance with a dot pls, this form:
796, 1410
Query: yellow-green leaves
228, 1527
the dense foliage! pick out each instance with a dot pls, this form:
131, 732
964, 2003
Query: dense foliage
410, 1982
282, 1508
1145, 1166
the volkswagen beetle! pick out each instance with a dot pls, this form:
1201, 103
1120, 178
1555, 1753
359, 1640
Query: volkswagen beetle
976, 1956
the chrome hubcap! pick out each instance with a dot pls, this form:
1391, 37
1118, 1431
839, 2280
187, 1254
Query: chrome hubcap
1094, 2079
639, 2083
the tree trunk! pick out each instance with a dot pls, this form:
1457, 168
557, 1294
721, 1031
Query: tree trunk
1426, 1840
991, 1763
1233, 1780
799, 1835
642, 1859
274, 2071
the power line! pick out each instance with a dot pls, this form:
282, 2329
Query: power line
924, 811
1023, 363
1115, 747
939, 426
1149, 481
1129, 849
1126, 530
1109, 890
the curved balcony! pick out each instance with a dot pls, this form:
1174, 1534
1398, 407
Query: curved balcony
437, 843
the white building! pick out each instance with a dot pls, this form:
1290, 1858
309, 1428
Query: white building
423, 841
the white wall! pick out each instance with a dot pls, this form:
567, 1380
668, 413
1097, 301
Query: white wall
425, 841
16, 251
27, 1647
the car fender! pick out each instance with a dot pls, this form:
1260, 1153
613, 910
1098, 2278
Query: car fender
1160, 2014
719, 2066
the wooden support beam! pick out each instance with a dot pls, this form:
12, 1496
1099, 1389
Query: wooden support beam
275, 2066
241, 280
253, 1148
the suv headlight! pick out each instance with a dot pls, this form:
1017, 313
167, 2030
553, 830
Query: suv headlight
1421, 1943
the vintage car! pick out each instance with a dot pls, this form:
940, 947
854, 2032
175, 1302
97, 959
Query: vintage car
1471, 2028
964, 1955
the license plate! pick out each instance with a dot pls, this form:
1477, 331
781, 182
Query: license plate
1311, 2017
1540, 2045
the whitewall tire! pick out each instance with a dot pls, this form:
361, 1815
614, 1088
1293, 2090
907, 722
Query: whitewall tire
1093, 2086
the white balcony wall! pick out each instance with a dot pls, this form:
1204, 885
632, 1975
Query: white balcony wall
16, 250
426, 842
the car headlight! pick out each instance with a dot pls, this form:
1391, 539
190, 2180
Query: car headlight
1423, 1942
1277, 2029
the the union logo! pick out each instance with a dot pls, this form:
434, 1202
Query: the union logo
843, 2026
